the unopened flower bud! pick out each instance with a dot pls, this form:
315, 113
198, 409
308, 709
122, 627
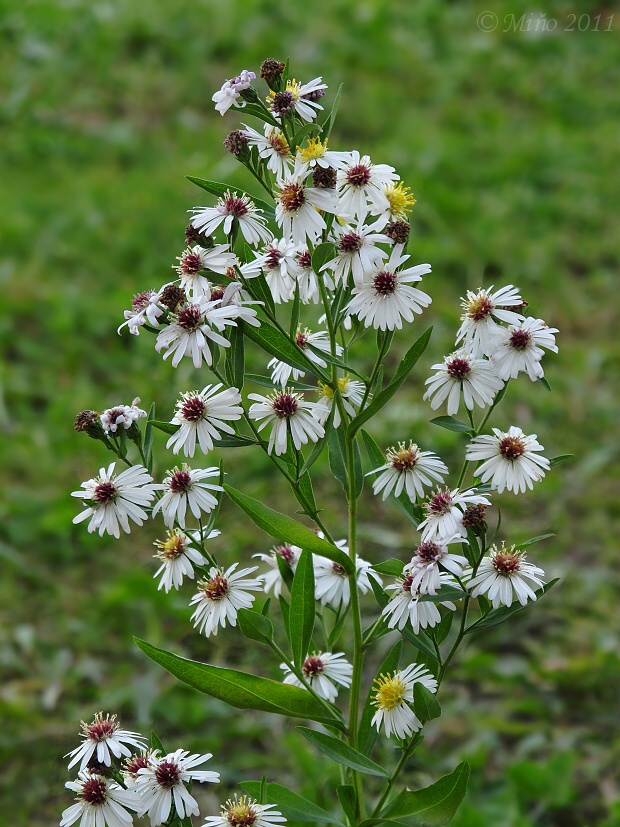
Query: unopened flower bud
194, 236
250, 95
474, 518
236, 143
171, 296
398, 231
271, 71
324, 177
88, 421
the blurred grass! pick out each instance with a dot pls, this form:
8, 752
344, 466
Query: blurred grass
510, 143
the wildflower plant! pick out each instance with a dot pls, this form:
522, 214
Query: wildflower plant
299, 276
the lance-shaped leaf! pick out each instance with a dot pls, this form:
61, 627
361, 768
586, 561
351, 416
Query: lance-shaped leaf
148, 438
341, 752
280, 346
166, 427
321, 255
304, 131
431, 806
346, 796
328, 123
235, 358
534, 540
287, 530
255, 625
497, 616
240, 689
557, 460
367, 732
452, 424
302, 614
381, 399
293, 806
267, 382
391, 567
218, 189
425, 704
260, 112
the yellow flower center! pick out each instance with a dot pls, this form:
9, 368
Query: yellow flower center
325, 391
172, 547
400, 198
314, 149
240, 813
390, 691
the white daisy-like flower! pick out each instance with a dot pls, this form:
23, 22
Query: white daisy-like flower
319, 670
162, 784
133, 764
392, 695
405, 604
230, 93
503, 576
408, 469
245, 812
184, 487
520, 348
233, 207
121, 416
145, 309
444, 513
479, 329
196, 260
510, 460
203, 416
272, 147
219, 598
178, 559
361, 184
307, 280
299, 208
286, 411
461, 373
279, 267
386, 297
429, 556
189, 333
400, 200
351, 392
356, 251
273, 579
230, 306
103, 739
304, 339
114, 499
316, 154
301, 98
331, 582
100, 803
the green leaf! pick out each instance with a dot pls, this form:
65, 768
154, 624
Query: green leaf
332, 360
217, 189
544, 382
367, 732
431, 806
266, 382
321, 255
166, 427
328, 123
260, 112
335, 633
391, 567
294, 807
304, 132
559, 459
497, 616
255, 626
452, 424
240, 689
445, 593
148, 439
342, 753
278, 345
285, 571
534, 540
337, 457
442, 629
234, 441
235, 358
295, 312
305, 490
346, 796
156, 743
404, 369
425, 704
258, 288
286, 610
288, 530
301, 618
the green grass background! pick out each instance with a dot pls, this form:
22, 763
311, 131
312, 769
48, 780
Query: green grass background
510, 142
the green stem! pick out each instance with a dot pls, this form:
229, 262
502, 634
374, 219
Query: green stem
385, 346
392, 779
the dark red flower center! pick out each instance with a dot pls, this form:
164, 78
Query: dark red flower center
105, 492
405, 459
479, 308
512, 447
284, 406
189, 317
138, 762
429, 552
190, 264
216, 588
350, 243
313, 666
440, 503
301, 339
407, 583
286, 553
235, 206
217, 294
101, 729
358, 176
94, 792
167, 774
292, 197
305, 260
458, 368
282, 103
337, 569
180, 482
274, 257
385, 283
520, 339
506, 562
141, 301
193, 409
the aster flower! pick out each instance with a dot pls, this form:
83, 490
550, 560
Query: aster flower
100, 802
245, 812
479, 329
304, 339
408, 469
316, 154
233, 207
230, 93
298, 208
220, 597
133, 764
331, 582
273, 579
361, 185
228, 306
161, 784
103, 739
356, 251
510, 460
279, 267
203, 415
184, 487
286, 411
392, 695
405, 604
195, 260
319, 670
520, 348
145, 308
178, 559
503, 576
121, 416
424, 567
400, 200
461, 373
189, 334
351, 393
307, 280
386, 297
273, 147
113, 499
301, 98
444, 513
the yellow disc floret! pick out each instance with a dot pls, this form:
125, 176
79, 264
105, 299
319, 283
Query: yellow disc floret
400, 198
390, 691
314, 149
